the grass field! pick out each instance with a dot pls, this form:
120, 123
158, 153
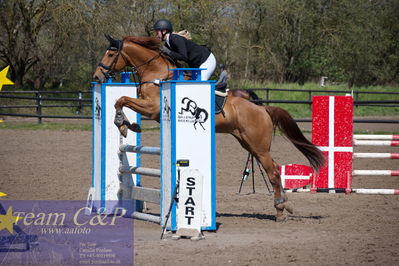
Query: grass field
303, 110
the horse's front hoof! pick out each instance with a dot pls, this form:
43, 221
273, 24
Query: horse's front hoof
123, 130
119, 118
289, 209
135, 127
281, 218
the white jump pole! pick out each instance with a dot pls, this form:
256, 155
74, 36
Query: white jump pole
376, 137
376, 155
140, 149
139, 193
368, 191
375, 142
376, 172
376, 191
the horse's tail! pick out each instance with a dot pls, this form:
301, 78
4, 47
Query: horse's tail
286, 124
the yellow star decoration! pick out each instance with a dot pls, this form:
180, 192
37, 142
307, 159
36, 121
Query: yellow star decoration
3, 78
2, 194
7, 221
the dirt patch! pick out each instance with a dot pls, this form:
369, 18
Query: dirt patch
326, 229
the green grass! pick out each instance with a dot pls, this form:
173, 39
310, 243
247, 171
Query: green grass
85, 111
303, 110
56, 126
46, 126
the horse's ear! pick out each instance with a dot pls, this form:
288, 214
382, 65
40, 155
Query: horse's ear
112, 42
109, 38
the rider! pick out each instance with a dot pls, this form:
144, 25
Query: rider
179, 48
224, 76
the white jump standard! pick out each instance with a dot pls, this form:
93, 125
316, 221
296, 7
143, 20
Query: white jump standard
106, 140
187, 133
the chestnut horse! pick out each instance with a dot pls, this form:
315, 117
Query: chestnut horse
252, 125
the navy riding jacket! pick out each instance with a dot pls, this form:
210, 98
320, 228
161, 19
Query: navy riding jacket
188, 51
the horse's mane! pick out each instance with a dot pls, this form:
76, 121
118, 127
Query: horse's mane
152, 43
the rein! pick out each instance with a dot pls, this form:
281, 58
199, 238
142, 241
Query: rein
135, 68
147, 62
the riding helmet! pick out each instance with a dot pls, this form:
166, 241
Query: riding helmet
163, 24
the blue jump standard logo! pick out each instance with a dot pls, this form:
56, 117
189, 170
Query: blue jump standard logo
166, 109
97, 112
198, 115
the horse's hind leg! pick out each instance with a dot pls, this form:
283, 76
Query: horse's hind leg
280, 198
271, 168
254, 130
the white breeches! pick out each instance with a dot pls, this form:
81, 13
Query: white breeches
210, 65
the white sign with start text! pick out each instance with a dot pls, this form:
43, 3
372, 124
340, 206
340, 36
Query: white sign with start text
189, 211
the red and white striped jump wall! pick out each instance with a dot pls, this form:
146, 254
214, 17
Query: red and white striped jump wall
332, 132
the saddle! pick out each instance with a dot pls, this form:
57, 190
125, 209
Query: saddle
220, 97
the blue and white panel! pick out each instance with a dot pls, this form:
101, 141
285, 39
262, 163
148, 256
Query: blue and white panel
190, 134
166, 151
96, 142
106, 142
195, 132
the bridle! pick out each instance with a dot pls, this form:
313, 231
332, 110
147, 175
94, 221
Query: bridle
110, 69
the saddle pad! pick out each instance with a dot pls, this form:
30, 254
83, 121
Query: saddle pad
220, 102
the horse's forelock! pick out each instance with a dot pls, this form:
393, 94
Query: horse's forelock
152, 43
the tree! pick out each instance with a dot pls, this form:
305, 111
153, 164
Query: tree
21, 23
52, 43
